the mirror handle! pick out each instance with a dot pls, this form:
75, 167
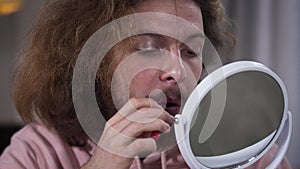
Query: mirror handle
284, 144
180, 133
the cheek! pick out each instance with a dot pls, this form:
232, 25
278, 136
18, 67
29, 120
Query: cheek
198, 72
195, 70
142, 83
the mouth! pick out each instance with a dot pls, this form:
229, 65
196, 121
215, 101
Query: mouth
172, 106
168, 99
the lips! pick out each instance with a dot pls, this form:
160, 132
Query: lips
172, 106
168, 99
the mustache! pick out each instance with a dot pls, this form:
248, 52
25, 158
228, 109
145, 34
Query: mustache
161, 96
172, 92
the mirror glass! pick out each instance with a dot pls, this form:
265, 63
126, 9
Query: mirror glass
253, 111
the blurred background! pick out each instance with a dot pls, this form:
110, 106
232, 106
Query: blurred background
267, 31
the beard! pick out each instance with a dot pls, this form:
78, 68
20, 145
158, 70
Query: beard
104, 100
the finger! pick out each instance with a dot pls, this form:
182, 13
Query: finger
266, 159
136, 129
143, 117
134, 104
144, 121
285, 164
137, 147
144, 114
141, 147
175, 157
131, 106
141, 112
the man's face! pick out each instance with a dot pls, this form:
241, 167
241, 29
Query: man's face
162, 64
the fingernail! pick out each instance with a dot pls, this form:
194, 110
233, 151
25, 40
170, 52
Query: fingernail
173, 118
168, 128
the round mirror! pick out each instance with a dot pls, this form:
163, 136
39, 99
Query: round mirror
246, 123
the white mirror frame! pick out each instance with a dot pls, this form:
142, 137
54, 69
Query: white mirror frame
244, 157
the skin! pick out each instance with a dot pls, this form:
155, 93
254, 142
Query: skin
128, 133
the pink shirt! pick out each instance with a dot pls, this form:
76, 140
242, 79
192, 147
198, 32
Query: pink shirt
35, 146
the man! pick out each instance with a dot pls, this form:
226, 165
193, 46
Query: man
43, 91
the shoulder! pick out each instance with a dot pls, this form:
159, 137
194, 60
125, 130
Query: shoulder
37, 138
36, 146
31, 132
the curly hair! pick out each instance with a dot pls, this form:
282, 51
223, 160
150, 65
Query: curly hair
42, 88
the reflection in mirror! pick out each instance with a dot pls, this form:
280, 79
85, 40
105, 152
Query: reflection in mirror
253, 112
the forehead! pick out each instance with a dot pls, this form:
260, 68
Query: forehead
186, 9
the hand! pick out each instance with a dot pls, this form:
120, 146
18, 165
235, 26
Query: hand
175, 159
128, 134
267, 159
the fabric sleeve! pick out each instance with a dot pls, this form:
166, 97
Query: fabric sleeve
18, 155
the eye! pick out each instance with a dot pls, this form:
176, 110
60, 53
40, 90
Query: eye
188, 52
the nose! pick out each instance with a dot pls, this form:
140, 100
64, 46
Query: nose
174, 69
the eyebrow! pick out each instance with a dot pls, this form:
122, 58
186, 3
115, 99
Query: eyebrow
194, 36
156, 35
199, 35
